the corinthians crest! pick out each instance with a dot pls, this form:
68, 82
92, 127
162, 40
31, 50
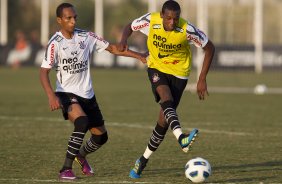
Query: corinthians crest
155, 77
82, 45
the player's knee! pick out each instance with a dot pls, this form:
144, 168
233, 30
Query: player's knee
100, 139
167, 104
81, 124
162, 123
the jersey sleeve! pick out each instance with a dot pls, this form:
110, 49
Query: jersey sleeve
196, 36
142, 24
98, 42
51, 55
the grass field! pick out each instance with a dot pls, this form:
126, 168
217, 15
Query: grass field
240, 134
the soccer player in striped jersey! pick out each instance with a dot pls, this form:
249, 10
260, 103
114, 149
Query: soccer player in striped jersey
69, 52
169, 63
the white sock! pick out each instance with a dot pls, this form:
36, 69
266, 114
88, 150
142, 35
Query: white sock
147, 153
177, 132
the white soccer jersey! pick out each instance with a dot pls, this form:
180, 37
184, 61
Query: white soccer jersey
71, 58
194, 35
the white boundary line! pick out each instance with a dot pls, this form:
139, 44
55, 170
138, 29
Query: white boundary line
234, 90
201, 130
117, 124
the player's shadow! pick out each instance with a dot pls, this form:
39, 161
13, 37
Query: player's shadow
168, 172
263, 164
244, 180
254, 167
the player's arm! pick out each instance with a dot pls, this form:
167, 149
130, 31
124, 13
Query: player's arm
209, 50
54, 102
125, 35
128, 53
200, 40
140, 24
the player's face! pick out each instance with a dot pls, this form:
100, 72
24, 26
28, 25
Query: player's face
67, 21
170, 19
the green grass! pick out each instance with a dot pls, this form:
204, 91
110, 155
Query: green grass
240, 133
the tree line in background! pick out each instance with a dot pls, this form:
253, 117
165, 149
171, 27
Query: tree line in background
229, 23
25, 15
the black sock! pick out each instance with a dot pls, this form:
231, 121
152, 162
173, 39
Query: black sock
157, 137
93, 144
67, 164
170, 115
75, 140
143, 159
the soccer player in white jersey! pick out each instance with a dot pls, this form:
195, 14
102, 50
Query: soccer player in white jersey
69, 52
169, 64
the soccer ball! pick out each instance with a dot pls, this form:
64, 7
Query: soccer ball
260, 89
197, 170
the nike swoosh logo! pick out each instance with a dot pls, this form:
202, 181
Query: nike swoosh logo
162, 56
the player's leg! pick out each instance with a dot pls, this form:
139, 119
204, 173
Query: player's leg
169, 109
99, 135
168, 91
80, 120
161, 86
156, 139
177, 86
156, 78
157, 136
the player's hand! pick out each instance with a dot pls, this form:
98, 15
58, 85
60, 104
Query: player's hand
122, 46
54, 103
143, 58
202, 90
146, 54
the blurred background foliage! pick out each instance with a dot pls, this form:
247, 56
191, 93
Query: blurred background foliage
229, 21
25, 15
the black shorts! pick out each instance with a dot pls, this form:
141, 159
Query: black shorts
175, 84
89, 106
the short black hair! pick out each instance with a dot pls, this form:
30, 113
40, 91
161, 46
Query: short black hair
59, 11
171, 5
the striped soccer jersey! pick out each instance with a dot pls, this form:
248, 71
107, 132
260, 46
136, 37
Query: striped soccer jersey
71, 59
